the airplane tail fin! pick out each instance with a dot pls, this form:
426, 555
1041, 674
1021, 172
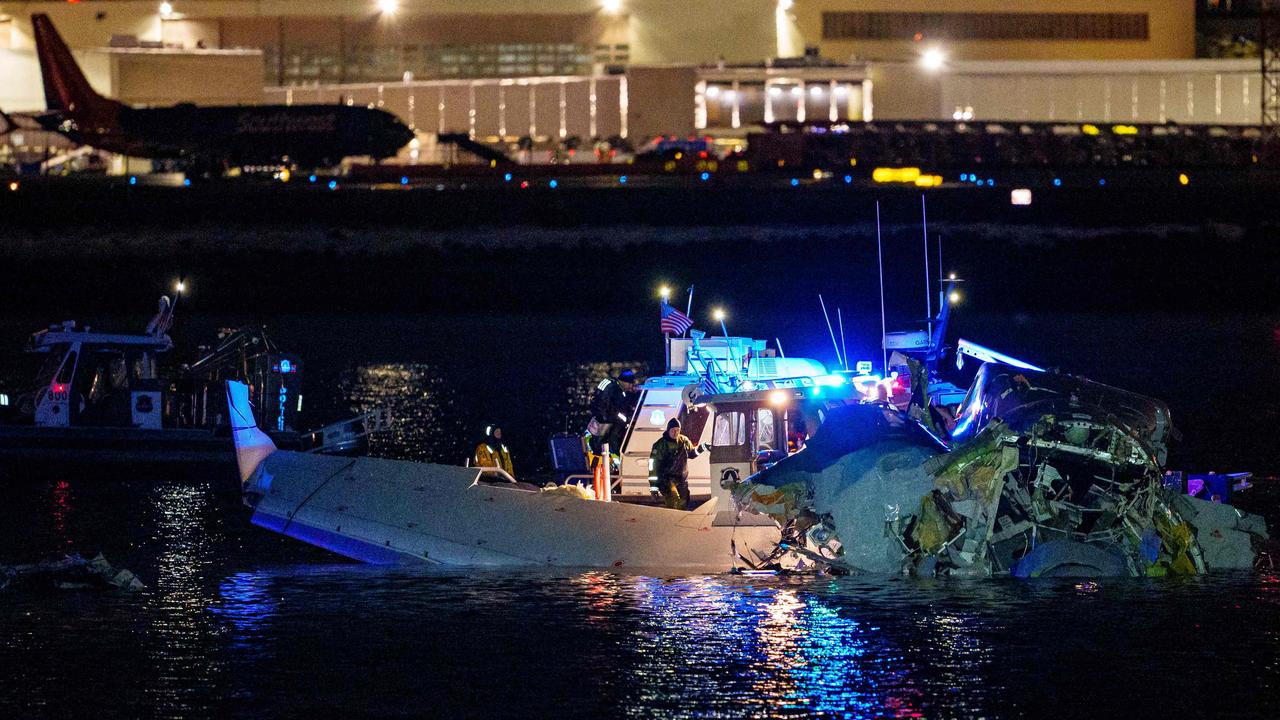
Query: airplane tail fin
65, 87
252, 445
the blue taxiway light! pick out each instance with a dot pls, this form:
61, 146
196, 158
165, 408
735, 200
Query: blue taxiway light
312, 178
705, 176
964, 177
133, 180
991, 182
794, 182
1057, 182
553, 183
186, 182
404, 180
848, 179
1102, 181
506, 178
333, 184
622, 180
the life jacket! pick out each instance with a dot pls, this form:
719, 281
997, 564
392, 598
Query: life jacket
494, 455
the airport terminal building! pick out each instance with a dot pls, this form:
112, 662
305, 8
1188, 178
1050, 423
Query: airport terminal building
548, 70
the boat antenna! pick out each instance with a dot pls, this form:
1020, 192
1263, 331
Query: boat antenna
928, 286
880, 262
844, 349
834, 344
778, 342
942, 291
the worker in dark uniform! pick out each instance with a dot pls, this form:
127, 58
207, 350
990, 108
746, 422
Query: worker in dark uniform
611, 410
669, 466
492, 453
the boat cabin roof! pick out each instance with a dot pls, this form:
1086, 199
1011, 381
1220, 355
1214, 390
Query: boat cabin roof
47, 340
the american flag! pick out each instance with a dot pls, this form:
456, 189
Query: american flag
674, 321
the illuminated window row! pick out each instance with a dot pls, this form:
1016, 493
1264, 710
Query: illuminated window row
984, 26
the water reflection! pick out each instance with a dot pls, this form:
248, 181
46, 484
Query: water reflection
760, 650
182, 642
62, 502
427, 422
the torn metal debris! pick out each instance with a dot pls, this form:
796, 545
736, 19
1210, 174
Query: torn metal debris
72, 572
1043, 474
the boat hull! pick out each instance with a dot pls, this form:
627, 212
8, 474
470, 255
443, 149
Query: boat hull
389, 511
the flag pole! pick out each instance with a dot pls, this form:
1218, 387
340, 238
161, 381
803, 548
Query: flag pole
666, 336
688, 308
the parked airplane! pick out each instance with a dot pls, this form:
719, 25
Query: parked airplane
207, 138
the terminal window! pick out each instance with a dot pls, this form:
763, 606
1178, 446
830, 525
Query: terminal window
984, 26
311, 65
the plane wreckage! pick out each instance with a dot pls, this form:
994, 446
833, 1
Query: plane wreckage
1040, 474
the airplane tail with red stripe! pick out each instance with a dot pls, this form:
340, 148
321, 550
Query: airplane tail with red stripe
66, 89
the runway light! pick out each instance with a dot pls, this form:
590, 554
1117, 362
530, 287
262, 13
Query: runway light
1183, 179
933, 60
388, 7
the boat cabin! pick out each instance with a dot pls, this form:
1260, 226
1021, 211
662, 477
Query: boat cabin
97, 379
751, 405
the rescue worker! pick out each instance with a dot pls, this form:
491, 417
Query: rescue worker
611, 410
669, 466
492, 453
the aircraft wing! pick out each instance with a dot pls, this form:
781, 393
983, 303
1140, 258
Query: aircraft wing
50, 121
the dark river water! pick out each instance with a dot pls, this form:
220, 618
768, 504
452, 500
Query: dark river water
236, 622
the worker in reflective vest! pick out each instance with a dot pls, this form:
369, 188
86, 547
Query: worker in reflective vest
492, 453
669, 466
